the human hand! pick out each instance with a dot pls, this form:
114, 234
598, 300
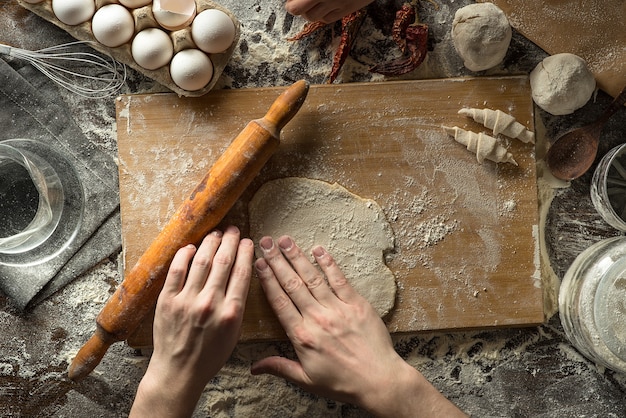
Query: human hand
344, 349
197, 323
326, 11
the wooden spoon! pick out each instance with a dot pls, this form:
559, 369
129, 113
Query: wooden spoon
571, 154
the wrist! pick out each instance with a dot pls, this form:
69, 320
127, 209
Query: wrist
163, 394
391, 395
408, 393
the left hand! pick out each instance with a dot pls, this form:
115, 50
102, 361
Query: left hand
197, 322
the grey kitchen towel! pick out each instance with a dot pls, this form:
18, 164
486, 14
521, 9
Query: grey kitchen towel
89, 229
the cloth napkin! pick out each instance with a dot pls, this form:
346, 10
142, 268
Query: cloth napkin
31, 107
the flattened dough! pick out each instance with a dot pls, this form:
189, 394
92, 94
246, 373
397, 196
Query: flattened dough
354, 230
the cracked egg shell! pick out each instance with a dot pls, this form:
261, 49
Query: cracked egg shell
174, 14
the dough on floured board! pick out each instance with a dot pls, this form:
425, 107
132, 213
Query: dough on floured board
354, 230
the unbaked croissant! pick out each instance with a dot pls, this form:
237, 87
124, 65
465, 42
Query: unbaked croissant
485, 146
500, 123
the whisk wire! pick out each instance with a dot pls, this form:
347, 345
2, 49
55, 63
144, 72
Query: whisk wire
104, 78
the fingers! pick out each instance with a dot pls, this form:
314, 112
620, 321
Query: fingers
282, 270
312, 277
297, 7
319, 12
239, 281
336, 279
284, 308
334, 15
202, 261
175, 279
313, 11
281, 367
221, 261
295, 284
216, 279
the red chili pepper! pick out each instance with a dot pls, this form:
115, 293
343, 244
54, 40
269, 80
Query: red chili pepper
417, 46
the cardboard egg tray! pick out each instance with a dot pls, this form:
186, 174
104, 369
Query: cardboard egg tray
144, 19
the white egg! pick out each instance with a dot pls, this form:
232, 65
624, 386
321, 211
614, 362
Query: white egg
73, 12
174, 14
135, 3
213, 31
113, 25
152, 48
191, 69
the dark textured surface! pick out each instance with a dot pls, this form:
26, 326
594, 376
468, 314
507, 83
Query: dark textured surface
490, 373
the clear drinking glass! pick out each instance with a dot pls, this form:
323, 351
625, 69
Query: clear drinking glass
31, 200
592, 303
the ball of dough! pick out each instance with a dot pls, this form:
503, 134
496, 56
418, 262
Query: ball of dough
562, 83
481, 34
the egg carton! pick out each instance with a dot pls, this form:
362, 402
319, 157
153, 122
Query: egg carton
143, 19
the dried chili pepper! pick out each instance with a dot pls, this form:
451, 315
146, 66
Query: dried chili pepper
404, 17
350, 25
413, 42
417, 47
308, 29
410, 36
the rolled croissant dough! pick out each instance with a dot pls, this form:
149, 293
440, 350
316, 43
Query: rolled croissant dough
354, 230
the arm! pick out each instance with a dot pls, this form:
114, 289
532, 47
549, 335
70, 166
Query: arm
326, 11
344, 349
197, 323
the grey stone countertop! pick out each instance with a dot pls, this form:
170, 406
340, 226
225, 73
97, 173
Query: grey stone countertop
513, 372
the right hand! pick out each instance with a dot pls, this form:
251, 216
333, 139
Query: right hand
344, 349
326, 11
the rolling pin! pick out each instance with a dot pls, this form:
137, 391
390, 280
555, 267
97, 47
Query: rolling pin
202, 211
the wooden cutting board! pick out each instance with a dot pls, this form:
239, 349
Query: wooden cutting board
466, 234
595, 30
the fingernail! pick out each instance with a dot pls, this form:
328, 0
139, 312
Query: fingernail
266, 243
217, 233
318, 251
261, 264
233, 229
285, 243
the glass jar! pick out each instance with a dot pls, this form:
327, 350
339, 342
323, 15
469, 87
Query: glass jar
608, 187
592, 303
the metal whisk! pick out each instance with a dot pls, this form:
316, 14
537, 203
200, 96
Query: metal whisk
105, 77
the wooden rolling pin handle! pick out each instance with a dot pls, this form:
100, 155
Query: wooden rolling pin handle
90, 354
284, 108
202, 211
